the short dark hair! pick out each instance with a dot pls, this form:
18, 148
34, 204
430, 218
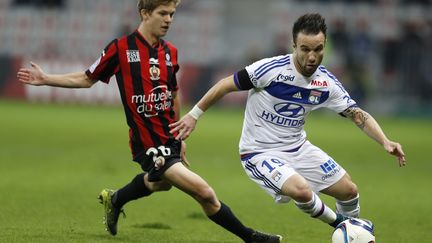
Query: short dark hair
309, 24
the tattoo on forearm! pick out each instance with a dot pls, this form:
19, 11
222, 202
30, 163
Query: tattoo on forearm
358, 116
361, 119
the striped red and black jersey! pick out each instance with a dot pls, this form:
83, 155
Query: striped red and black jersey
146, 78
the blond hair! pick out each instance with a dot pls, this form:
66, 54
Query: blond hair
150, 5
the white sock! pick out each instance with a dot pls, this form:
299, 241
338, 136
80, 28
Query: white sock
317, 209
350, 208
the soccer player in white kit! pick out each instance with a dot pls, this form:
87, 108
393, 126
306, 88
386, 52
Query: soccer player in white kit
274, 149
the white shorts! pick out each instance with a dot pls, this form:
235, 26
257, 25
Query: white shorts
271, 169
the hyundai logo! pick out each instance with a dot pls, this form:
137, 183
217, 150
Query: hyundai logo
289, 110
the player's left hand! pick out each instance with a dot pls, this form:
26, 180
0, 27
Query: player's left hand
184, 127
396, 149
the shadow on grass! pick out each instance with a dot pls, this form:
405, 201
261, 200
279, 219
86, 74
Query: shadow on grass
197, 215
160, 226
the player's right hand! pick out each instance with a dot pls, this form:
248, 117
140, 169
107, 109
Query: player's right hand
184, 127
32, 76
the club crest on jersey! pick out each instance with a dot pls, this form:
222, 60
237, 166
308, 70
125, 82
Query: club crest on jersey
133, 56
154, 73
315, 96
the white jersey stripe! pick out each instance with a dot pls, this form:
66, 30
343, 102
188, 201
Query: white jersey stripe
273, 67
265, 65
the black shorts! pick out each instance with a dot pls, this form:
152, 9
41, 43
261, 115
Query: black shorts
171, 153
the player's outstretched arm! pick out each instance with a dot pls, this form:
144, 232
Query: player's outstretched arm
371, 127
187, 123
36, 76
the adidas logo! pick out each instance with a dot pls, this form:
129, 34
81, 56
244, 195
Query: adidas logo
298, 95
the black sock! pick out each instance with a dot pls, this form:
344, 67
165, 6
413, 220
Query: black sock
226, 218
132, 191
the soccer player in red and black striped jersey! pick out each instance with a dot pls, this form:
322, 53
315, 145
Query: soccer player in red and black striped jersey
145, 67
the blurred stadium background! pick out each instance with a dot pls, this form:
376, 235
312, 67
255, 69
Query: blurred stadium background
380, 49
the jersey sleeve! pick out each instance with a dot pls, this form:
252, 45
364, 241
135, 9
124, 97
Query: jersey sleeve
106, 65
259, 74
176, 69
174, 78
339, 99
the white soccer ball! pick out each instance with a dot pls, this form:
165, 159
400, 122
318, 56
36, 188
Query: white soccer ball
354, 231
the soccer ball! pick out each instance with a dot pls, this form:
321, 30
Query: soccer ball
354, 231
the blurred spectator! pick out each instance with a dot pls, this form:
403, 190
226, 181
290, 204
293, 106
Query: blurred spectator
282, 43
124, 29
423, 2
39, 3
411, 60
360, 53
389, 57
339, 36
338, 44
5, 64
427, 63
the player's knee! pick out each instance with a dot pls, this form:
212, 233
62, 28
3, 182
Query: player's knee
159, 186
301, 193
350, 192
297, 188
206, 194
165, 186
353, 191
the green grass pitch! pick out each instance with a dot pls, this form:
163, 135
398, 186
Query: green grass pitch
55, 159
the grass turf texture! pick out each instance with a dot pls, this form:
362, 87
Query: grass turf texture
55, 159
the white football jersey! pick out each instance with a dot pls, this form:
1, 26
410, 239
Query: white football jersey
280, 101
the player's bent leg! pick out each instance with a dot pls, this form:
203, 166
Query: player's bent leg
114, 201
136, 189
347, 197
297, 188
306, 200
162, 185
344, 189
350, 208
192, 184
